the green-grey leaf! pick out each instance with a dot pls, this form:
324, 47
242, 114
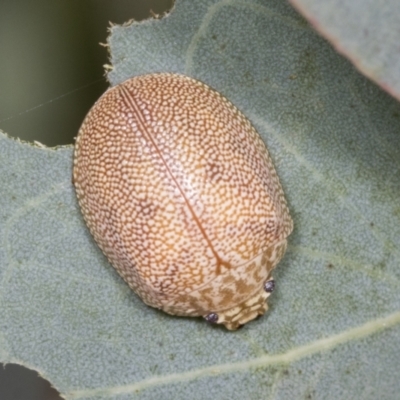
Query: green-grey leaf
333, 329
366, 31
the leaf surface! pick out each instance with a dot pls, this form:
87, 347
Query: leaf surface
333, 329
365, 31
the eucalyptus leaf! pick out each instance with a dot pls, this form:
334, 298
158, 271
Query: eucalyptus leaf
333, 328
365, 31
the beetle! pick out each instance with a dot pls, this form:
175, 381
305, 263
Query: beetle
181, 195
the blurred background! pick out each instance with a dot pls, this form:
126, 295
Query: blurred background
51, 63
51, 73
